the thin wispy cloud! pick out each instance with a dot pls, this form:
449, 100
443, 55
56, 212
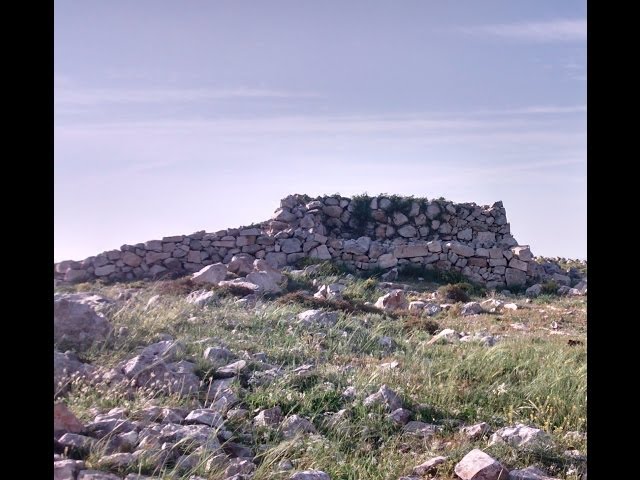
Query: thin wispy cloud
66, 96
574, 30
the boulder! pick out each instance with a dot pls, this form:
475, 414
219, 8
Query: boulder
210, 275
77, 323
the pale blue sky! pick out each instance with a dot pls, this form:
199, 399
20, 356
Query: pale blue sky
173, 117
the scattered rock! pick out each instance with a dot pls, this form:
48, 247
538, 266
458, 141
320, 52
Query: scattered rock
400, 416
470, 308
522, 436
420, 429
310, 475
394, 300
200, 297
67, 469
77, 323
430, 466
295, 424
477, 431
448, 335
96, 475
533, 291
529, 473
210, 275
319, 318
477, 465
64, 421
232, 369
385, 397
205, 416
270, 417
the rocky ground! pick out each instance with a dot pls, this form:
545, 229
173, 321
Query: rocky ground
315, 374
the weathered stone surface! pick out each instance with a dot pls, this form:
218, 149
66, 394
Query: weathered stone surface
529, 473
149, 371
387, 260
210, 275
408, 251
420, 429
67, 469
470, 308
430, 466
205, 416
296, 424
385, 397
104, 270
200, 297
310, 475
522, 436
290, 245
477, 465
96, 475
407, 231
477, 431
394, 300
64, 420
77, 323
357, 247
461, 249
333, 211
232, 369
317, 318
519, 264
399, 218
447, 335
515, 278
268, 418
131, 259
400, 416
522, 253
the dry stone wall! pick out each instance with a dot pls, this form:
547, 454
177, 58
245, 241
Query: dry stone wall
363, 233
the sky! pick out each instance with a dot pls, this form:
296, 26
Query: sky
174, 117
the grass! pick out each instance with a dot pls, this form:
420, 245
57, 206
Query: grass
533, 375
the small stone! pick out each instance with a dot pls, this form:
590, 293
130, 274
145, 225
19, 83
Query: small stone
448, 335
420, 429
232, 369
268, 418
477, 431
318, 318
529, 473
310, 475
400, 416
96, 475
430, 466
205, 416
471, 308
296, 424
385, 397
